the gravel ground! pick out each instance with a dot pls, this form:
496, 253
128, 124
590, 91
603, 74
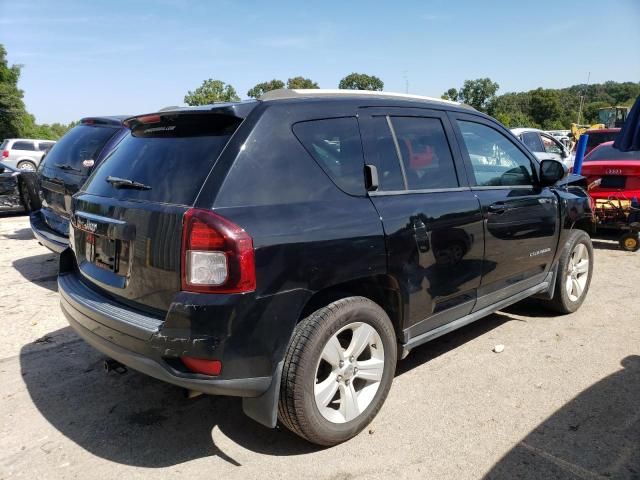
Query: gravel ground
561, 400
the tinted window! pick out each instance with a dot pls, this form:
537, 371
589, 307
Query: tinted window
3, 144
532, 140
335, 144
45, 146
607, 152
425, 153
82, 142
496, 160
24, 146
172, 157
381, 152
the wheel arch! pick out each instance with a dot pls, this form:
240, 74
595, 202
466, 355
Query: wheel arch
381, 289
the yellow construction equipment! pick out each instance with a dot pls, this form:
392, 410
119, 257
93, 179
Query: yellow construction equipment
613, 117
577, 130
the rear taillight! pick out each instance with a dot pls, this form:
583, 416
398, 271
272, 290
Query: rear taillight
217, 255
5, 153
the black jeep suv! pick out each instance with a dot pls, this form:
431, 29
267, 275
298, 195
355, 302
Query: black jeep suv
62, 172
289, 250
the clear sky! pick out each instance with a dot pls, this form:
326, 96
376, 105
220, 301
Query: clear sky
128, 57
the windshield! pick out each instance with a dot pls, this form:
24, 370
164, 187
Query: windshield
83, 142
170, 158
607, 152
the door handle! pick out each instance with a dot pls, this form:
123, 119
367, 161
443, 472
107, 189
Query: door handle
421, 235
498, 207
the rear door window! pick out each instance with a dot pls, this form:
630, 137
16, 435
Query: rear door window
382, 154
426, 157
28, 146
171, 157
45, 146
81, 143
336, 146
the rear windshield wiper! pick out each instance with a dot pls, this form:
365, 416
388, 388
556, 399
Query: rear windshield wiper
63, 166
118, 182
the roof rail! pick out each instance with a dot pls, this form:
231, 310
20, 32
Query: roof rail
284, 93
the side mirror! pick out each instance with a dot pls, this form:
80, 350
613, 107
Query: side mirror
565, 153
552, 171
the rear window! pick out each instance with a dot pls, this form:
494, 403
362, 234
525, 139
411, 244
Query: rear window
607, 152
4, 144
81, 143
596, 138
172, 157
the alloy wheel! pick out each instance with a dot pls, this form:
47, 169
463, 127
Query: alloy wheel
577, 272
349, 372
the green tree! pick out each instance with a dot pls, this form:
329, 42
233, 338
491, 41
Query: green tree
211, 91
301, 83
545, 107
13, 114
451, 94
361, 81
264, 87
478, 93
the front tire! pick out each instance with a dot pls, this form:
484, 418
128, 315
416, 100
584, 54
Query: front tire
575, 269
337, 371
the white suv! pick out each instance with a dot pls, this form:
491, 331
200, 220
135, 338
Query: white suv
24, 153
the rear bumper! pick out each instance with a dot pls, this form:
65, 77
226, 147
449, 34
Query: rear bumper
136, 340
46, 235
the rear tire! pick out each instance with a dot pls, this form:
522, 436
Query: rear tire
575, 269
337, 371
27, 166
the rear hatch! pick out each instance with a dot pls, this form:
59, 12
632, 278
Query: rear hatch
127, 220
67, 166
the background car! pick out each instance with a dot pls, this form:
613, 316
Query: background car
544, 145
14, 192
65, 169
611, 172
24, 153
